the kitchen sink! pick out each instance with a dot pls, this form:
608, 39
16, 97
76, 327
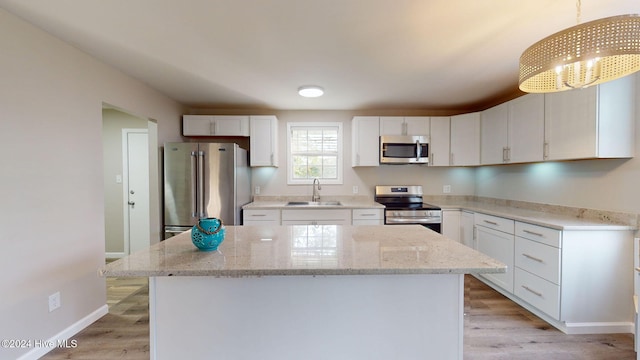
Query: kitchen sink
314, 203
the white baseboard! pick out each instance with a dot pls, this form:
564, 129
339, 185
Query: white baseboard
600, 328
63, 338
115, 255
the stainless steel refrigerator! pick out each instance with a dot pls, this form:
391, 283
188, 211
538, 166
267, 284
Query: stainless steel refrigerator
204, 180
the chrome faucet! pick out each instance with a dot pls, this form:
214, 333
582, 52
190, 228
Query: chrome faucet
316, 196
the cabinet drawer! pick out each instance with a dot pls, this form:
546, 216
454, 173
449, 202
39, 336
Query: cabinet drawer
541, 234
539, 259
315, 214
494, 222
538, 292
367, 214
261, 215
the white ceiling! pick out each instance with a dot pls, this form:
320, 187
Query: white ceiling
367, 54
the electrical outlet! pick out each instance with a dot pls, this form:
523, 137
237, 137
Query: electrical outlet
257, 190
446, 189
355, 189
54, 301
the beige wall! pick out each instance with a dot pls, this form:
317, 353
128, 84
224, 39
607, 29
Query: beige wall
51, 184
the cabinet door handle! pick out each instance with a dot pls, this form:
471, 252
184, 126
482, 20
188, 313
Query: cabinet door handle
532, 233
532, 291
257, 215
504, 154
545, 151
491, 222
357, 159
533, 258
367, 214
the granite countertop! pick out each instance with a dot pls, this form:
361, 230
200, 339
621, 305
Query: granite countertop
355, 202
308, 250
571, 220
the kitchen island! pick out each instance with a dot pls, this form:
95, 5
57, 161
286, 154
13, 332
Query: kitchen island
308, 292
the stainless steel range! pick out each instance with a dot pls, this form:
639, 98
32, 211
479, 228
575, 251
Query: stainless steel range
404, 205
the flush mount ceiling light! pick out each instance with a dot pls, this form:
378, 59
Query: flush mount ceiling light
582, 55
310, 91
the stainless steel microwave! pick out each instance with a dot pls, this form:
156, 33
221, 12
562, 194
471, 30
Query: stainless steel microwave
404, 149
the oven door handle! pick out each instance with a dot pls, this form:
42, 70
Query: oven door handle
392, 221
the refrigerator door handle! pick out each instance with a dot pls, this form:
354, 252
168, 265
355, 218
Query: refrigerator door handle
194, 181
201, 158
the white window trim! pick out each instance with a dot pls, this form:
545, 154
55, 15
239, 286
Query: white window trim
290, 179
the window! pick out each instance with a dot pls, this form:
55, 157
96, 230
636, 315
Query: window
315, 152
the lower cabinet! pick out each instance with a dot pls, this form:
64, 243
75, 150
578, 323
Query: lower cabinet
500, 246
299, 216
316, 217
451, 224
580, 281
261, 217
367, 217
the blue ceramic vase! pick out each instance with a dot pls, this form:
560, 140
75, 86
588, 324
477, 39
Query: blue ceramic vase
208, 234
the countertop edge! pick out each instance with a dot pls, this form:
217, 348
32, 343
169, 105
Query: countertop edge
298, 272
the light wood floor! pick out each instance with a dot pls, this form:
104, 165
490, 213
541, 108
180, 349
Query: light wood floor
495, 328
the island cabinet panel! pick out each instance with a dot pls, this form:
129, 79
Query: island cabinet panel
373, 317
596, 122
365, 141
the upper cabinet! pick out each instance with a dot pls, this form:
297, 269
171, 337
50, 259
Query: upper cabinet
398, 125
465, 139
365, 141
215, 125
440, 142
263, 140
513, 132
596, 122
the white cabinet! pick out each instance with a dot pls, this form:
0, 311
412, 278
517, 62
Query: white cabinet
580, 281
513, 132
215, 125
263, 140
467, 226
465, 139
451, 224
526, 129
494, 237
494, 130
365, 141
316, 217
398, 125
261, 217
367, 217
596, 122
439, 143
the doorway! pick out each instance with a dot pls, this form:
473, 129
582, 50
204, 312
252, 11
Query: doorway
123, 135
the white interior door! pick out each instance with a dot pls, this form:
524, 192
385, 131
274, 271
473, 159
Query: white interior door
136, 189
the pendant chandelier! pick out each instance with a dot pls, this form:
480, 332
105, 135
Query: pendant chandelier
583, 55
